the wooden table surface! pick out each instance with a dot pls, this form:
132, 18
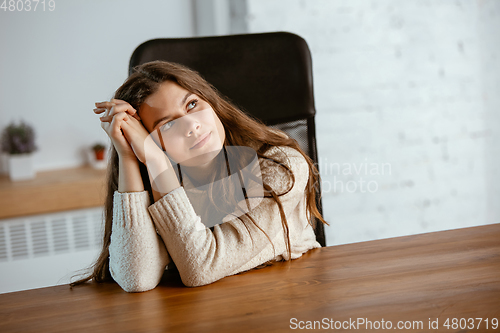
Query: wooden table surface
414, 279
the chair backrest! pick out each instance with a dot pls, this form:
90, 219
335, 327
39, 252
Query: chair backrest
267, 75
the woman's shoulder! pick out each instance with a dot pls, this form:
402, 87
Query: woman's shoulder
283, 167
285, 154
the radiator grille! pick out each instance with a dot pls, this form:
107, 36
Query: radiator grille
3, 246
18, 241
49, 234
39, 238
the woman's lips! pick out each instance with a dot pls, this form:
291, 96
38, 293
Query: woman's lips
203, 140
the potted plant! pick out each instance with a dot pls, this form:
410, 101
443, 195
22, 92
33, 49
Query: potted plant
98, 149
97, 156
18, 142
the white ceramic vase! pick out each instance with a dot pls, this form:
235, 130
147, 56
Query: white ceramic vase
21, 167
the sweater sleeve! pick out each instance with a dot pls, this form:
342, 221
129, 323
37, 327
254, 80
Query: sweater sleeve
137, 255
203, 256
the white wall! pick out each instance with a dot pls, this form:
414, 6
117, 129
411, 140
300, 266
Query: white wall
211, 17
55, 65
488, 27
407, 92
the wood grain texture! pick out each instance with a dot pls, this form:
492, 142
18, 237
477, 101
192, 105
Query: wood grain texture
52, 191
448, 274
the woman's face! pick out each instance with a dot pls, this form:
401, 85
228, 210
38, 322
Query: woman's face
191, 132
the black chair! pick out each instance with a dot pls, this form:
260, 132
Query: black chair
267, 75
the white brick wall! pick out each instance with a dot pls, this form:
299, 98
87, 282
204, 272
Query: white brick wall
413, 84
488, 28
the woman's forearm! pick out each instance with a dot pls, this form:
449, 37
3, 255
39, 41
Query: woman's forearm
129, 176
137, 255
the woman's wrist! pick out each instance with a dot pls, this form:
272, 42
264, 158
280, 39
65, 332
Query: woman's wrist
129, 175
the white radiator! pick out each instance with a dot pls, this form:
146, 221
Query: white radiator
31, 242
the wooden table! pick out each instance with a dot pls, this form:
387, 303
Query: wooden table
414, 279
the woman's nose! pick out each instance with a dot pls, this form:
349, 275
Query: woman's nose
192, 126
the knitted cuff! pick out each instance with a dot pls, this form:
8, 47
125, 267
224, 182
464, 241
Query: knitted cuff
174, 212
129, 208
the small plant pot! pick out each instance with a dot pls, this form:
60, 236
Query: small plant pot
99, 155
21, 167
97, 159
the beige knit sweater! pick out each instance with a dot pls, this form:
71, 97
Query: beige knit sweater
145, 237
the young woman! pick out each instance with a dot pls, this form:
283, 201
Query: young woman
183, 188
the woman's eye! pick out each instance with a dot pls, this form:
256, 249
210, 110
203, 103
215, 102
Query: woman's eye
167, 126
192, 104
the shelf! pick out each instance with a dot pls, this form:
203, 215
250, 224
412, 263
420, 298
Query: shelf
52, 191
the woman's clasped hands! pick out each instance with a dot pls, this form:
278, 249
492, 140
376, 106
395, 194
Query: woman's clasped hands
128, 135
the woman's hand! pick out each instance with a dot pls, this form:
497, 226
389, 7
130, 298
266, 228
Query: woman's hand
122, 123
123, 126
113, 127
129, 174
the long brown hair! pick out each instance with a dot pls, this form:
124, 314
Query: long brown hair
240, 129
